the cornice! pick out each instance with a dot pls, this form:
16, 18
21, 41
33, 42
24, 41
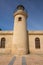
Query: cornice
6, 32
35, 32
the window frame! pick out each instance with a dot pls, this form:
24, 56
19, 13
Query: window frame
2, 43
37, 43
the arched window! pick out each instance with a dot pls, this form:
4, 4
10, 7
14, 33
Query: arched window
3, 42
37, 43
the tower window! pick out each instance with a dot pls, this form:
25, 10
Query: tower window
19, 19
2, 43
37, 43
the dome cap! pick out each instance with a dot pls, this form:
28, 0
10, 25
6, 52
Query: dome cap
20, 7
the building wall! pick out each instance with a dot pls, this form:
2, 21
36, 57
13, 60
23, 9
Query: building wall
8, 35
31, 38
8, 42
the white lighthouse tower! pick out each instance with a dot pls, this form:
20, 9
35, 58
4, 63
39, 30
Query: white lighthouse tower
20, 46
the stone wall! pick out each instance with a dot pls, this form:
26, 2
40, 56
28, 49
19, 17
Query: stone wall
8, 41
31, 38
8, 35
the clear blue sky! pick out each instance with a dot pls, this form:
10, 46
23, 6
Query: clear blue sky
35, 13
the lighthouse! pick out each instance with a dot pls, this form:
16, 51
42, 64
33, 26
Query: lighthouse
19, 46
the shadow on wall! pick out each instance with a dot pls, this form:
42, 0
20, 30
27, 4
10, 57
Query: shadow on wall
28, 43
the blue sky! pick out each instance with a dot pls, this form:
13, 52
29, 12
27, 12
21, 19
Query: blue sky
34, 9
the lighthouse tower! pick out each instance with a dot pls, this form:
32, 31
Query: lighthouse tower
19, 32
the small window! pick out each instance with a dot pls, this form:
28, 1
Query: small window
19, 19
2, 43
37, 43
